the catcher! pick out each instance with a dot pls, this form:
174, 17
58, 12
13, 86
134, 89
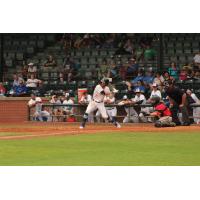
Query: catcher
162, 113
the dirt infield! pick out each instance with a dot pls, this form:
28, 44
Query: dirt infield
36, 129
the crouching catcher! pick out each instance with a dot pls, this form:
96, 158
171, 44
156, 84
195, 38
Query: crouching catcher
162, 113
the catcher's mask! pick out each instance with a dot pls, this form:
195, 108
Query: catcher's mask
155, 100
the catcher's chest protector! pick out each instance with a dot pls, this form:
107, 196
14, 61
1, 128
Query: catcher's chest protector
163, 109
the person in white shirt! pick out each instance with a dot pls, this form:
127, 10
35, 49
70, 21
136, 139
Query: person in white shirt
100, 91
32, 82
155, 91
86, 99
32, 68
39, 114
68, 101
196, 110
132, 115
141, 100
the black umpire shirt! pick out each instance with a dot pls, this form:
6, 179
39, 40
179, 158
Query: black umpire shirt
175, 94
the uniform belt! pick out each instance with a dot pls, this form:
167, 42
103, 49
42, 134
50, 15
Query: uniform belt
98, 101
109, 108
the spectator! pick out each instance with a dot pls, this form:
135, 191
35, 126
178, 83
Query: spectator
140, 77
155, 91
159, 80
68, 109
148, 78
183, 74
32, 82
2, 89
173, 71
149, 53
197, 75
16, 80
196, 59
140, 86
32, 69
50, 63
20, 90
167, 77
132, 69
57, 110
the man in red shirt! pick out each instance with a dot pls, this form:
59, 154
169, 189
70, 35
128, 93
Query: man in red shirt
162, 113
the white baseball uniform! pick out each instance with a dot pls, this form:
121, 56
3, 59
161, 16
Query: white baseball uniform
98, 101
111, 111
86, 100
39, 113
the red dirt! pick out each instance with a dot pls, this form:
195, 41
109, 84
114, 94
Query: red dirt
37, 129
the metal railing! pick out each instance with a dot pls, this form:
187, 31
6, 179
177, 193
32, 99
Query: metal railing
79, 109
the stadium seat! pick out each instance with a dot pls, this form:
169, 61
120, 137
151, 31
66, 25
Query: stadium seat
19, 56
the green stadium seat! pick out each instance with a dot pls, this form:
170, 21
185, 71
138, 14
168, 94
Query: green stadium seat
40, 44
19, 56
103, 53
95, 53
87, 53
79, 53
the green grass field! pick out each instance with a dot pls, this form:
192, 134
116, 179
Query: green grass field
108, 149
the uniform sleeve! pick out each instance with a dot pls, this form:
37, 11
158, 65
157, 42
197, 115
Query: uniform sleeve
107, 90
195, 98
99, 89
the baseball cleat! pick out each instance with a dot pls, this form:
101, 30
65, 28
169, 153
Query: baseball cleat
118, 125
81, 127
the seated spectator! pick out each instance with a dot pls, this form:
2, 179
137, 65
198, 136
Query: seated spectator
50, 62
149, 53
148, 78
132, 69
32, 69
16, 80
32, 82
2, 89
20, 90
57, 110
155, 91
68, 109
159, 80
183, 74
173, 71
197, 75
140, 86
139, 77
167, 77
196, 59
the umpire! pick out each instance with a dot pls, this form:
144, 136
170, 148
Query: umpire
178, 101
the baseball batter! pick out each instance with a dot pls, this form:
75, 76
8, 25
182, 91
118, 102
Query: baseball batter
100, 91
